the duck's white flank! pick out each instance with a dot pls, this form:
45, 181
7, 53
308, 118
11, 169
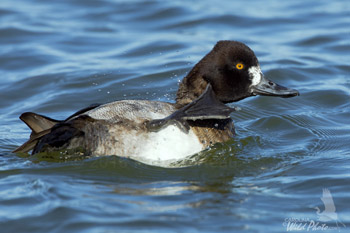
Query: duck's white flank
124, 137
167, 145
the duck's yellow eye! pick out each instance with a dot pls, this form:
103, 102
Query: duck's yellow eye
239, 66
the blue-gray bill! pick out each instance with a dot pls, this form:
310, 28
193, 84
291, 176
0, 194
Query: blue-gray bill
268, 88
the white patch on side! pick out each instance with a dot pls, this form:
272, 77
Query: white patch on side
255, 74
169, 144
160, 148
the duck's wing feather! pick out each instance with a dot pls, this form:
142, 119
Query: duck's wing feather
42, 125
206, 106
36, 122
30, 144
84, 110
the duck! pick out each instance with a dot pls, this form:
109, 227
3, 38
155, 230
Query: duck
159, 133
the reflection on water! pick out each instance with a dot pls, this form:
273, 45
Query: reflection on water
57, 57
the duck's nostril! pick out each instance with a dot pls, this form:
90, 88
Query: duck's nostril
271, 83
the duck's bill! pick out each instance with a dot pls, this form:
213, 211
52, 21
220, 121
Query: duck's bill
269, 88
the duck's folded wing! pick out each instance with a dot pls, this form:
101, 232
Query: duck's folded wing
40, 126
82, 111
206, 106
32, 141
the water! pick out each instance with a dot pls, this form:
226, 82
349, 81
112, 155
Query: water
60, 56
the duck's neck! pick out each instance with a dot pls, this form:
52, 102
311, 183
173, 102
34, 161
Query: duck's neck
191, 87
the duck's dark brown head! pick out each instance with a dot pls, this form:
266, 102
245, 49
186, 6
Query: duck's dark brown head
234, 73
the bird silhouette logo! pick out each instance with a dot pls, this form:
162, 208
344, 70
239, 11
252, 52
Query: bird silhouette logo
329, 213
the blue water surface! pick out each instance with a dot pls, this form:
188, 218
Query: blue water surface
59, 56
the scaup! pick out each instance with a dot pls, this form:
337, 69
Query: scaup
155, 132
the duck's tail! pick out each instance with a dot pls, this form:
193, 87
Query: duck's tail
40, 126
